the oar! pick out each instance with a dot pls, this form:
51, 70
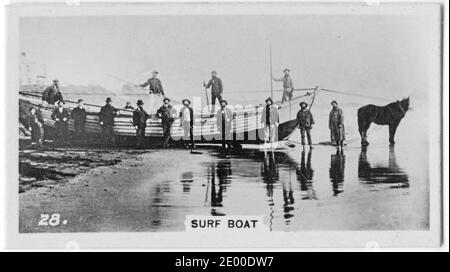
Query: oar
207, 98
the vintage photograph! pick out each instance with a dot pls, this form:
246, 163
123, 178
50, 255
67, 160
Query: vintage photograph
317, 121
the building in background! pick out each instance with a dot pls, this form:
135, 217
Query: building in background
32, 75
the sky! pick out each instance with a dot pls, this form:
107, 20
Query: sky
383, 55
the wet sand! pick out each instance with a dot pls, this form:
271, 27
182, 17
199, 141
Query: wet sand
381, 188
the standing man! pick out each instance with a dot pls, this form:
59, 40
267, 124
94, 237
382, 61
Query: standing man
128, 106
79, 120
35, 125
288, 86
140, 117
305, 122
166, 113
224, 121
187, 123
154, 84
52, 94
106, 117
336, 124
61, 117
270, 120
215, 83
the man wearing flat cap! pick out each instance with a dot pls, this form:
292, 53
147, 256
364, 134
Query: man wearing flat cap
187, 123
140, 117
167, 114
52, 94
106, 117
288, 86
79, 121
61, 117
154, 84
215, 83
305, 122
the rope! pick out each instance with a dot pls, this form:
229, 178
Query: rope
355, 94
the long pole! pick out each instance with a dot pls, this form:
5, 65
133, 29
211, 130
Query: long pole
271, 74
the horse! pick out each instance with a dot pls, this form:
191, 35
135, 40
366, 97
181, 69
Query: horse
390, 115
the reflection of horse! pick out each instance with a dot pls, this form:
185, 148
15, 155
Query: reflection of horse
337, 169
390, 115
389, 174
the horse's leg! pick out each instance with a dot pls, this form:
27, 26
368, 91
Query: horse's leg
363, 126
392, 129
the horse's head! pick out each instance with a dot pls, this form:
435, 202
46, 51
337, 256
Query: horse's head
405, 103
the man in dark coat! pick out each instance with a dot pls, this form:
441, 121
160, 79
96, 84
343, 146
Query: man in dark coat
270, 119
154, 84
79, 120
61, 117
52, 94
224, 121
336, 124
106, 117
187, 123
215, 83
305, 122
140, 117
166, 113
35, 125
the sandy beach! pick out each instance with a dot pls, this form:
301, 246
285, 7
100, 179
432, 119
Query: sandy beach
128, 190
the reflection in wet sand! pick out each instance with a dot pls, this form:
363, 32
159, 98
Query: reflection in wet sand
337, 169
305, 175
381, 173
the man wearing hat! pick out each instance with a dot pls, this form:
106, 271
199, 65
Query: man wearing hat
167, 114
288, 87
336, 124
35, 125
140, 117
61, 117
215, 83
305, 122
52, 94
270, 120
224, 121
79, 120
106, 118
187, 123
154, 84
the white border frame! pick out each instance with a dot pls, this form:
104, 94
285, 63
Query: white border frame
222, 241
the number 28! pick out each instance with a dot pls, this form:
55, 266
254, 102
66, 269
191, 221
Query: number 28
49, 219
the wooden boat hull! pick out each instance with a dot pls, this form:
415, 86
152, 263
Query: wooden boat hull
246, 128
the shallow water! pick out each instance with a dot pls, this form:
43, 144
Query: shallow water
326, 189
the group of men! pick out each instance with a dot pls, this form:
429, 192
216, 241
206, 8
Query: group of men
167, 114
305, 122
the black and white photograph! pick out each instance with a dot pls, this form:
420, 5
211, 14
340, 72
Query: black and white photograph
212, 119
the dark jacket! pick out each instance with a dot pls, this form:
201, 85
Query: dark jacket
216, 85
165, 113
79, 116
140, 117
52, 95
154, 85
304, 119
106, 115
228, 114
35, 121
191, 113
58, 116
274, 118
